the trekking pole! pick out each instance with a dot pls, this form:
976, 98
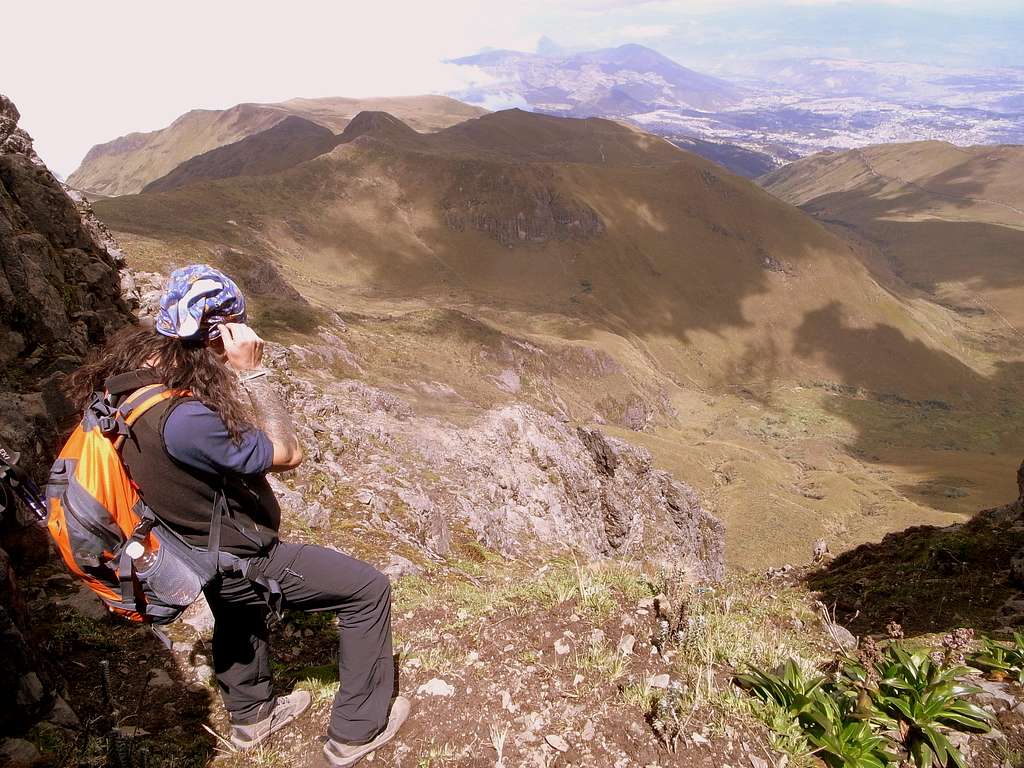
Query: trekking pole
122, 750
108, 698
14, 478
118, 751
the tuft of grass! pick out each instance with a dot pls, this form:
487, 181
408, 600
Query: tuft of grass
438, 755
413, 592
439, 658
267, 755
638, 695
498, 738
489, 585
529, 656
74, 630
321, 682
601, 659
745, 621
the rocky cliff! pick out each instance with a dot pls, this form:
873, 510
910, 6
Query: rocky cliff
60, 293
520, 481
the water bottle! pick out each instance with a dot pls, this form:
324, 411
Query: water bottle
165, 575
137, 552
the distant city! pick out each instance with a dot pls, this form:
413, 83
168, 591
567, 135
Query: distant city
790, 108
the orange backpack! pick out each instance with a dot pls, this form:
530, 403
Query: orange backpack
96, 511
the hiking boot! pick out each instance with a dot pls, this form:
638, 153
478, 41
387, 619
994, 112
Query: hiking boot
286, 709
342, 755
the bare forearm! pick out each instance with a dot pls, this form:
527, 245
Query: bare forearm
272, 417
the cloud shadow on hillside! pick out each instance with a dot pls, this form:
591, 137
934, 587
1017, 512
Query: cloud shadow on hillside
923, 250
380, 212
897, 393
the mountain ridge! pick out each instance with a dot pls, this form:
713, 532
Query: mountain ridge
284, 144
945, 220
126, 164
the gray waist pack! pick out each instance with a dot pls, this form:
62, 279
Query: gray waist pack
173, 577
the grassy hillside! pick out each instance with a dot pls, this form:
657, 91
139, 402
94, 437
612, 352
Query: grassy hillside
943, 222
290, 142
607, 276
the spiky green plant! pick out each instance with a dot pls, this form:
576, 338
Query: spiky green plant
1000, 658
925, 700
893, 698
842, 742
790, 688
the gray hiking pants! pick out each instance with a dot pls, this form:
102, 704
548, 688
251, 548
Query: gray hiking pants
312, 579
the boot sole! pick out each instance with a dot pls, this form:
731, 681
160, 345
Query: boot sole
338, 761
250, 743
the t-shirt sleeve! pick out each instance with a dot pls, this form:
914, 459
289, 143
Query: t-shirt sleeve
197, 437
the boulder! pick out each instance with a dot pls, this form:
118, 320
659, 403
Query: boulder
18, 753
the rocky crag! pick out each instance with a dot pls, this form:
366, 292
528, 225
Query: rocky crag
60, 294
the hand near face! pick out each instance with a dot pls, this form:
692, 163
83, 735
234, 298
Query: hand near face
242, 347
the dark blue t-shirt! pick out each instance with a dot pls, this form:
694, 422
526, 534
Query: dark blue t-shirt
198, 438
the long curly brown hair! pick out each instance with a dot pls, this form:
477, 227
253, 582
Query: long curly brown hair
196, 367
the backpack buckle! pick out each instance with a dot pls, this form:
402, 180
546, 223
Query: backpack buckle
112, 425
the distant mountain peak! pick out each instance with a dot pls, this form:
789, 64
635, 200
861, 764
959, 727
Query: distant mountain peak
620, 81
548, 47
375, 122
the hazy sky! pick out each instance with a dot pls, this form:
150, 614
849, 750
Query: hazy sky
84, 73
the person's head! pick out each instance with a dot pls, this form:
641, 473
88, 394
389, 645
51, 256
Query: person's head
183, 346
196, 301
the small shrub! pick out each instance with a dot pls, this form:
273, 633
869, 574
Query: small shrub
666, 716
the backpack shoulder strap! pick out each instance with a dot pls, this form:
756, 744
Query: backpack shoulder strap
139, 402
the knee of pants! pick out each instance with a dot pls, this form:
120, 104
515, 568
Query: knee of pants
379, 588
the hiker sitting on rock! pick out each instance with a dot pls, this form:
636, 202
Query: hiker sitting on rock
223, 438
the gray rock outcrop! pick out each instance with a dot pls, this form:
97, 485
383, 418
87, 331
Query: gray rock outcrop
60, 294
516, 207
521, 480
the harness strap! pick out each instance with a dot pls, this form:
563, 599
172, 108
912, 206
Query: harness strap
269, 589
126, 575
136, 398
220, 511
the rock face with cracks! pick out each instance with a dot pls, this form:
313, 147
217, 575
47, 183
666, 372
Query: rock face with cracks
60, 294
523, 481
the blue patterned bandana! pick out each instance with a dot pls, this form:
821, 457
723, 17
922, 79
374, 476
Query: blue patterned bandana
196, 301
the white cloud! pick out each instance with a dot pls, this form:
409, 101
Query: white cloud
504, 100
